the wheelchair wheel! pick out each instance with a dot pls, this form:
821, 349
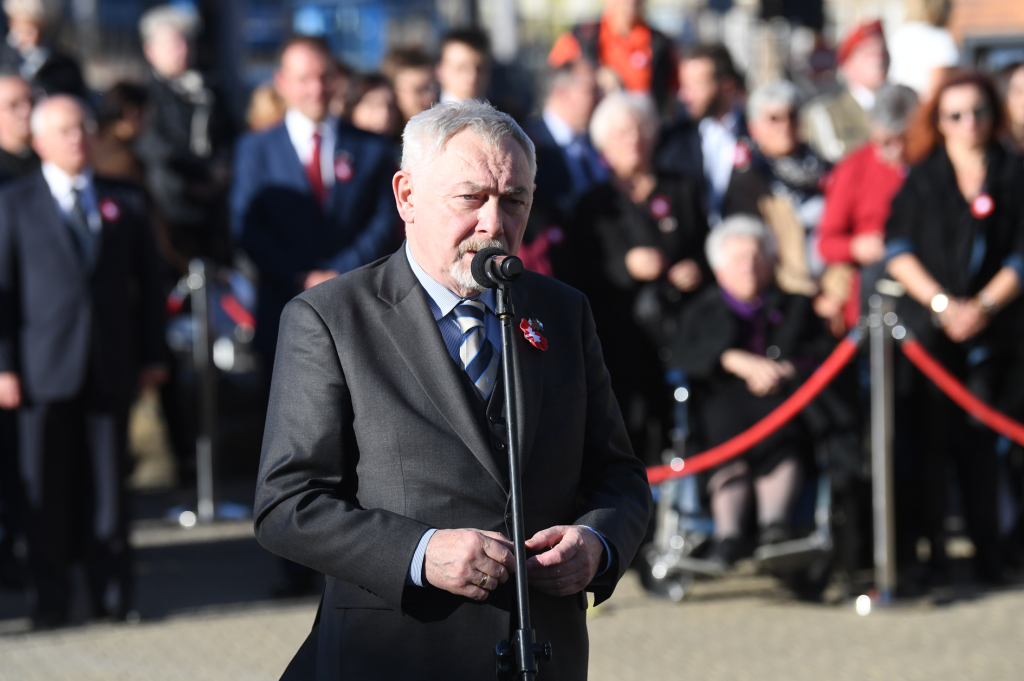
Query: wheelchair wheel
659, 581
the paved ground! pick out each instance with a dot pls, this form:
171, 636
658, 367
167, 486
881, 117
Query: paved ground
206, 616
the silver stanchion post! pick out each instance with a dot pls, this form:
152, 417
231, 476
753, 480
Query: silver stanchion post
202, 359
881, 319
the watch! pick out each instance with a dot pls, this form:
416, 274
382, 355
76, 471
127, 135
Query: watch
940, 302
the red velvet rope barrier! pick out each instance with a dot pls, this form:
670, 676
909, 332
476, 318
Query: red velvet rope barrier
779, 417
958, 392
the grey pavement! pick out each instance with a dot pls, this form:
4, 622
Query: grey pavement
206, 616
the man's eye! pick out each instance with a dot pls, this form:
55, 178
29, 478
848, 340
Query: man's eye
469, 197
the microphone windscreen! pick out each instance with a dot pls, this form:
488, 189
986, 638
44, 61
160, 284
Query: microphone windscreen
479, 266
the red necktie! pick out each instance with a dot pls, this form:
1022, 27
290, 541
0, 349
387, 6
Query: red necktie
316, 178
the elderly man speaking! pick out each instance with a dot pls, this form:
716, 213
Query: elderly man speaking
384, 459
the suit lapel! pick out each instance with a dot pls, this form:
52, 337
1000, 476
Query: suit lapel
414, 332
50, 218
290, 157
529, 362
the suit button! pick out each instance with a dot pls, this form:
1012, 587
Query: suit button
500, 445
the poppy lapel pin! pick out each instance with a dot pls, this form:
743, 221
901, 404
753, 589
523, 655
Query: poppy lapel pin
531, 329
344, 167
982, 206
110, 211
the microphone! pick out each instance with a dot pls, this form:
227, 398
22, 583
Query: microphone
493, 267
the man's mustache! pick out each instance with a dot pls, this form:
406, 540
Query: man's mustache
477, 245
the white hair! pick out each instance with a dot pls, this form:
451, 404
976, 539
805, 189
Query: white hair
37, 120
427, 133
615, 105
738, 226
184, 21
775, 92
36, 9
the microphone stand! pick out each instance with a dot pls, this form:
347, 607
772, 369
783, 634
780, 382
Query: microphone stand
518, 660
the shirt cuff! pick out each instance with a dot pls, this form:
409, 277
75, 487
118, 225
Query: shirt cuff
415, 575
607, 551
896, 247
1016, 262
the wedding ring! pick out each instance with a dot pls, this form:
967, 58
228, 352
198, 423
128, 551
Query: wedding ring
483, 582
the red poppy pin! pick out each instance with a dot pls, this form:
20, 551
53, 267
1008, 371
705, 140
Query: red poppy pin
531, 330
982, 206
344, 169
660, 207
109, 210
741, 157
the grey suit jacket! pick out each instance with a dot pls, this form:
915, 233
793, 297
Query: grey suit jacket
371, 439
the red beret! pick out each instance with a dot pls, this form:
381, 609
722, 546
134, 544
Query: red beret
854, 38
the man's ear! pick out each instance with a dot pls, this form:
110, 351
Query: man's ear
401, 183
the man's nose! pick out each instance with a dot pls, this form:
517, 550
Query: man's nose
489, 218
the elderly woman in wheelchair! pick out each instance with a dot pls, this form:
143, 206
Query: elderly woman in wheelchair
744, 345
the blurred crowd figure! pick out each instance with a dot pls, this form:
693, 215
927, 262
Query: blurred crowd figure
725, 233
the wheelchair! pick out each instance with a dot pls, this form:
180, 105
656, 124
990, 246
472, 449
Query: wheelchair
683, 527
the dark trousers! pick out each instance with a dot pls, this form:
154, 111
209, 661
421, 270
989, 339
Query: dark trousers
73, 459
947, 442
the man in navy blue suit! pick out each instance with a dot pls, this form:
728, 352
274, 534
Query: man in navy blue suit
568, 166
312, 197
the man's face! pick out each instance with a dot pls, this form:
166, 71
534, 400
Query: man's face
62, 138
867, 65
25, 29
698, 88
774, 130
470, 197
625, 12
167, 52
744, 271
463, 72
578, 96
15, 110
305, 81
414, 91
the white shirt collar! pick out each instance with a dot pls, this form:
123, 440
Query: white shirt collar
560, 131
300, 132
442, 299
864, 96
62, 188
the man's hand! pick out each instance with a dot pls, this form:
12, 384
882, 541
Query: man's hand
645, 263
315, 277
570, 565
763, 375
867, 249
685, 275
10, 390
468, 562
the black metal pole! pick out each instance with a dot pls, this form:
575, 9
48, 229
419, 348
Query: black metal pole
522, 645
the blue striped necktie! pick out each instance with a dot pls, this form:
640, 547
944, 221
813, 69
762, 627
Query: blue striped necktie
476, 354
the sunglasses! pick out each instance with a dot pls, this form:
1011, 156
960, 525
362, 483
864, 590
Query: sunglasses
980, 113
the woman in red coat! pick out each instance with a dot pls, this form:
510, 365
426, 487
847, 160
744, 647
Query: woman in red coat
858, 200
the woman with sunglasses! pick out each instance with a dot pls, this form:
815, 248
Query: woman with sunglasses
955, 241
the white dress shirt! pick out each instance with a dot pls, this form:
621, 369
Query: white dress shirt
718, 146
300, 132
63, 187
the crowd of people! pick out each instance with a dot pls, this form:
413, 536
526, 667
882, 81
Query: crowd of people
728, 231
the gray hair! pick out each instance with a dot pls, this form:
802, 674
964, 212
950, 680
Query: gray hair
894, 104
616, 104
168, 16
775, 92
26, 8
737, 226
37, 119
428, 133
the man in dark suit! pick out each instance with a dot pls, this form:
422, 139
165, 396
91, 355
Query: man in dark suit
568, 166
81, 312
384, 460
29, 51
704, 141
311, 197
